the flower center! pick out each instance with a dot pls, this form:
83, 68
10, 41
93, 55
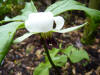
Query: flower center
46, 35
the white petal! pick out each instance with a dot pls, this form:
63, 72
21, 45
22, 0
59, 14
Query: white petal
39, 22
59, 22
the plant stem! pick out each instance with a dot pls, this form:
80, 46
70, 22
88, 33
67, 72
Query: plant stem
44, 42
48, 55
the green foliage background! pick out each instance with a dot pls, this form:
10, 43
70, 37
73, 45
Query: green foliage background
10, 7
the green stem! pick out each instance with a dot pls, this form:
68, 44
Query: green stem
48, 55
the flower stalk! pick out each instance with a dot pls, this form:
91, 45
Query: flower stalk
47, 52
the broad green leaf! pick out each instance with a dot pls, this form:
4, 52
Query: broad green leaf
60, 60
75, 55
53, 53
78, 55
42, 69
29, 8
67, 5
57, 59
7, 31
68, 50
8, 21
22, 38
6, 37
55, 5
70, 29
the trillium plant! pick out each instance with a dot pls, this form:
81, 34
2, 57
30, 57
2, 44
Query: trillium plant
42, 22
45, 23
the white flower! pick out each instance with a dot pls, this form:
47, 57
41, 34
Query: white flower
43, 22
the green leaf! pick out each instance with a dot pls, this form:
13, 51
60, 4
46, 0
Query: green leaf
78, 55
6, 37
42, 69
7, 31
60, 60
22, 38
57, 59
5, 22
29, 8
70, 29
68, 5
68, 50
54, 6
75, 55
53, 53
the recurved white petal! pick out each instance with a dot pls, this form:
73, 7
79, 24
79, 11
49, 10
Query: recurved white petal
59, 22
